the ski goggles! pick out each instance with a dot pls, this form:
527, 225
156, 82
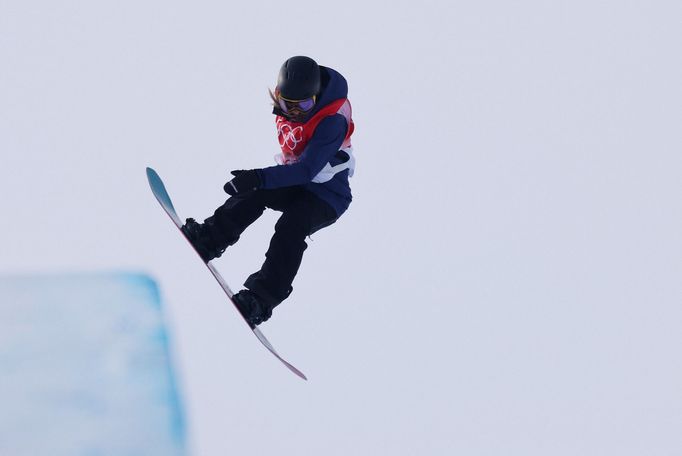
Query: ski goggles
304, 105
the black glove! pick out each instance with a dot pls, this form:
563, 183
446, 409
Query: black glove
244, 181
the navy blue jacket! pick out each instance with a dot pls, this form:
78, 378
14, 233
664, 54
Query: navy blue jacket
320, 150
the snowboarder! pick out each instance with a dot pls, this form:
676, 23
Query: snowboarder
309, 184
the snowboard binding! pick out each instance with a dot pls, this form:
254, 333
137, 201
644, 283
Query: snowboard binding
201, 240
253, 309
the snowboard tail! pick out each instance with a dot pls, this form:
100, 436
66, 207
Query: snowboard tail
159, 191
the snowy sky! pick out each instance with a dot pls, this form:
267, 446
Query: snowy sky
508, 279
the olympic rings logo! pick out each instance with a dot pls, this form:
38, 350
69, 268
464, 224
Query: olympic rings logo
288, 136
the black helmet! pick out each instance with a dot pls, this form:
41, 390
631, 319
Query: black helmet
299, 78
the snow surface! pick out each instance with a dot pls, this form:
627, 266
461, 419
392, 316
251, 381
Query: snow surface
85, 368
508, 279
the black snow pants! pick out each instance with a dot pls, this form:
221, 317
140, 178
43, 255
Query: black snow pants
303, 213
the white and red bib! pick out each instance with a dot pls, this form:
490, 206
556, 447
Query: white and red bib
294, 136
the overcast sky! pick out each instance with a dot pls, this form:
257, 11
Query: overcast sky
508, 279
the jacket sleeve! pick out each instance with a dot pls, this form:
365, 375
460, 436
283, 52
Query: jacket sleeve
321, 148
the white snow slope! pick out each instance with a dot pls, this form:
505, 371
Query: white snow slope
85, 368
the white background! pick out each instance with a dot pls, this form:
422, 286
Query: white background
508, 280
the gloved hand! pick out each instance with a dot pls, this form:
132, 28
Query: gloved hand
244, 181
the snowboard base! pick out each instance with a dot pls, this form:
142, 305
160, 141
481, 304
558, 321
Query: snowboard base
159, 191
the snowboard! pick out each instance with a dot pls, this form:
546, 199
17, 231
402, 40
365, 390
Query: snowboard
159, 191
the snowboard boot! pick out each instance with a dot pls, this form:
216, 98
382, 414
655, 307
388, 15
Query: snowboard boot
201, 240
254, 310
